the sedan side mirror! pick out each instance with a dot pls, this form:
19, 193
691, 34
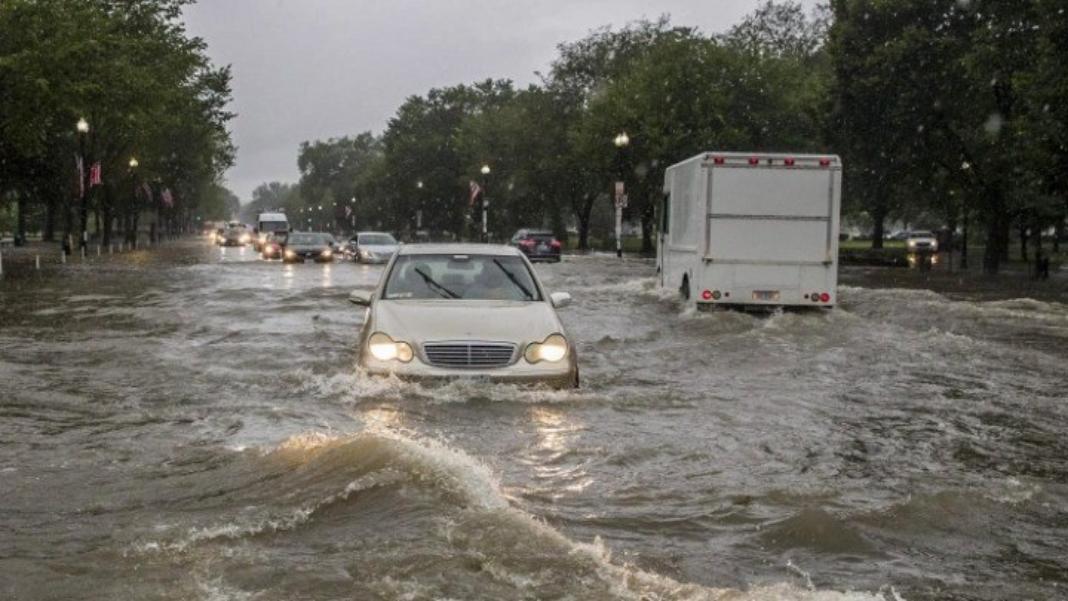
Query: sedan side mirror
560, 299
360, 298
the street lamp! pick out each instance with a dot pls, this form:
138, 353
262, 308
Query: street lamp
485, 203
133, 163
622, 140
83, 130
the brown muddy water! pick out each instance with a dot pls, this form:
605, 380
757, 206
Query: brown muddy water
190, 425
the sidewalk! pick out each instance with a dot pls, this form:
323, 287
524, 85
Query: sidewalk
37, 256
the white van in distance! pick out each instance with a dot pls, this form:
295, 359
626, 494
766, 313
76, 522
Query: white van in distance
269, 223
751, 229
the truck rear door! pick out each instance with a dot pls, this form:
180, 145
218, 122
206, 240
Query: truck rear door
769, 214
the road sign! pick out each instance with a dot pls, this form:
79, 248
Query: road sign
620, 189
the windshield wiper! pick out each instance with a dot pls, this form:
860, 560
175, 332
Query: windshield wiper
515, 280
433, 284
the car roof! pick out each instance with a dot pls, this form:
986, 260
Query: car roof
376, 233
458, 249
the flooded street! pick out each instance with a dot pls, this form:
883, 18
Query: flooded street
190, 424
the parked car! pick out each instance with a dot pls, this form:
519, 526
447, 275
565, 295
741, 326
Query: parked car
537, 245
922, 241
465, 310
372, 247
274, 245
301, 246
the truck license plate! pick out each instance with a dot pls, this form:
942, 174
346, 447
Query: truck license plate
765, 295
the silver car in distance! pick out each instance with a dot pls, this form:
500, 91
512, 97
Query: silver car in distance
465, 310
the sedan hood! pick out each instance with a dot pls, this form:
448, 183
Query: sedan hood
379, 249
420, 321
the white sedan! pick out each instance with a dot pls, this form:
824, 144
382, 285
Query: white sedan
921, 242
465, 310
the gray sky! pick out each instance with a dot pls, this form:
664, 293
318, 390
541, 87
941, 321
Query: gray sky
309, 69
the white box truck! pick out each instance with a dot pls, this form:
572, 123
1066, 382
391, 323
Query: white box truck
751, 229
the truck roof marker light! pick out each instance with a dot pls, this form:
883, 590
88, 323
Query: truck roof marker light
719, 160
754, 161
825, 162
788, 161
825, 298
707, 295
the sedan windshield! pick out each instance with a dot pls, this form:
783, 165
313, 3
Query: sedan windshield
921, 235
377, 240
463, 277
310, 239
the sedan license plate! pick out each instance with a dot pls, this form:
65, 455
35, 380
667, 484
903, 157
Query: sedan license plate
543, 248
765, 295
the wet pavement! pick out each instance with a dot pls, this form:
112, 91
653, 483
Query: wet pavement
188, 423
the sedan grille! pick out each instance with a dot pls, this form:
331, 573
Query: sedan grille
469, 354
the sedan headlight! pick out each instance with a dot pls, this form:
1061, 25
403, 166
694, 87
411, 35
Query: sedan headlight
245, 238
291, 255
912, 243
552, 349
384, 348
327, 253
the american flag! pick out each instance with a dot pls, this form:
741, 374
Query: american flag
95, 175
476, 191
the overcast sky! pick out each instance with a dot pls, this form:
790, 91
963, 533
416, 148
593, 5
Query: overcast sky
310, 69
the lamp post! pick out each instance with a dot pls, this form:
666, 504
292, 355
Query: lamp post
83, 133
622, 140
485, 202
419, 211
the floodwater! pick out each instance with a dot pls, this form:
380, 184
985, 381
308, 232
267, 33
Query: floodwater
189, 424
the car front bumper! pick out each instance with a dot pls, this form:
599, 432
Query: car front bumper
555, 375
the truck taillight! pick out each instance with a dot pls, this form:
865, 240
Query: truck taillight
825, 298
707, 295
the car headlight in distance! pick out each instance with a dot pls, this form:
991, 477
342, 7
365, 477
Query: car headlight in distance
327, 253
552, 349
290, 254
384, 348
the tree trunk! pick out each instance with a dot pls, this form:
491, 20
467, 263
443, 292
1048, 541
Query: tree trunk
106, 202
1003, 237
878, 225
48, 233
992, 252
648, 221
583, 216
20, 223
964, 243
1023, 243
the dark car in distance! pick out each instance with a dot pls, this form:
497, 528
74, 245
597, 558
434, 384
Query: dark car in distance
302, 246
537, 245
